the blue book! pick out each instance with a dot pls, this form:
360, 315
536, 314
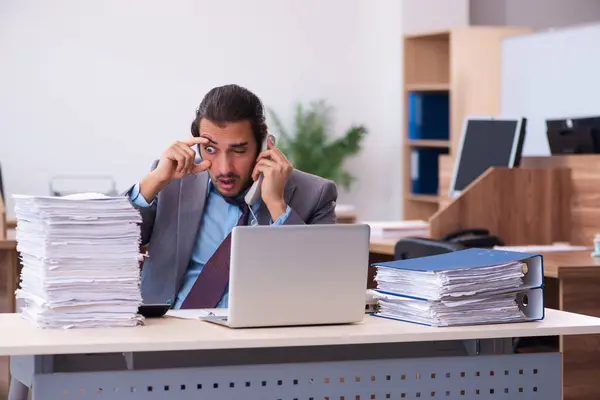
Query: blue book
424, 169
429, 115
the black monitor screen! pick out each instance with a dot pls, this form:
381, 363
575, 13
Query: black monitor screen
574, 135
589, 122
558, 124
487, 143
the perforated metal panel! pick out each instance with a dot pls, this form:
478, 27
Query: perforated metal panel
526, 376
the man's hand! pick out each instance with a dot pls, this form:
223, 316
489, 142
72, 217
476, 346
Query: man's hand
276, 169
177, 161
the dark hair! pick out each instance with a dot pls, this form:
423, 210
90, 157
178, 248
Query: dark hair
232, 103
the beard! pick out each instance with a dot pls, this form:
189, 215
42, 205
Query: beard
223, 181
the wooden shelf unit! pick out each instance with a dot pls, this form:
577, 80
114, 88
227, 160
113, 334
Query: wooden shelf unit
434, 143
465, 62
424, 198
425, 87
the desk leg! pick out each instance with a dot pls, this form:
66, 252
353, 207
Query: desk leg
390, 371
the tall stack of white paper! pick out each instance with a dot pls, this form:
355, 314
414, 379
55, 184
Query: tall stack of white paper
80, 257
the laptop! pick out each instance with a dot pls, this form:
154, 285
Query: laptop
293, 275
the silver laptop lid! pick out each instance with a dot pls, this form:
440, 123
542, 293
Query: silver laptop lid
298, 274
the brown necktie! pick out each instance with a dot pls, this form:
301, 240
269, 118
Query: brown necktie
212, 281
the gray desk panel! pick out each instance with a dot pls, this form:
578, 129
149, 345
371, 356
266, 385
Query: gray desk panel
527, 376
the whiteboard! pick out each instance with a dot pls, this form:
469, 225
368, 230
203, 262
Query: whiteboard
546, 75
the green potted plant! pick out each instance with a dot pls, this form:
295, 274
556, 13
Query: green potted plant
310, 147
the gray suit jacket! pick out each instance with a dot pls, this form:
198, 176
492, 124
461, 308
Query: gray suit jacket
170, 226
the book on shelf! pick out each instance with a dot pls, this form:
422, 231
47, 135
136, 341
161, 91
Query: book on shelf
429, 115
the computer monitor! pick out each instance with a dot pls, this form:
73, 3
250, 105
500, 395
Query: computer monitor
572, 141
486, 142
574, 135
555, 124
591, 122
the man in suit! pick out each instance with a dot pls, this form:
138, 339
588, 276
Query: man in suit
189, 208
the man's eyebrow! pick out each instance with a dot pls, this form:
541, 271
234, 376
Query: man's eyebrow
233, 145
209, 139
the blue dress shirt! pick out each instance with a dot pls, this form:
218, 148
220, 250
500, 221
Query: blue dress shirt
218, 221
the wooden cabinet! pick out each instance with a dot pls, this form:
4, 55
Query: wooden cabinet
465, 64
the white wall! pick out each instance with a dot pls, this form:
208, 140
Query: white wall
101, 87
427, 15
550, 75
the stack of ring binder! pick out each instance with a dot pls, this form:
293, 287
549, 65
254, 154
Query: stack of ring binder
466, 287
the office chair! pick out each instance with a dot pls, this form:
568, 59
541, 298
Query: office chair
414, 247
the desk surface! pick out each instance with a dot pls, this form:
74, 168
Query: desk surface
18, 337
564, 262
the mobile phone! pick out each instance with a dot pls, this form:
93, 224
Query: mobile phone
254, 192
153, 310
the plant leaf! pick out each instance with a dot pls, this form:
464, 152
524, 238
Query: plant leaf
311, 150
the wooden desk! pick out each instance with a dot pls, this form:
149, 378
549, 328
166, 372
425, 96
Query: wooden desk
384, 245
564, 263
572, 282
9, 267
569, 263
22, 338
377, 358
